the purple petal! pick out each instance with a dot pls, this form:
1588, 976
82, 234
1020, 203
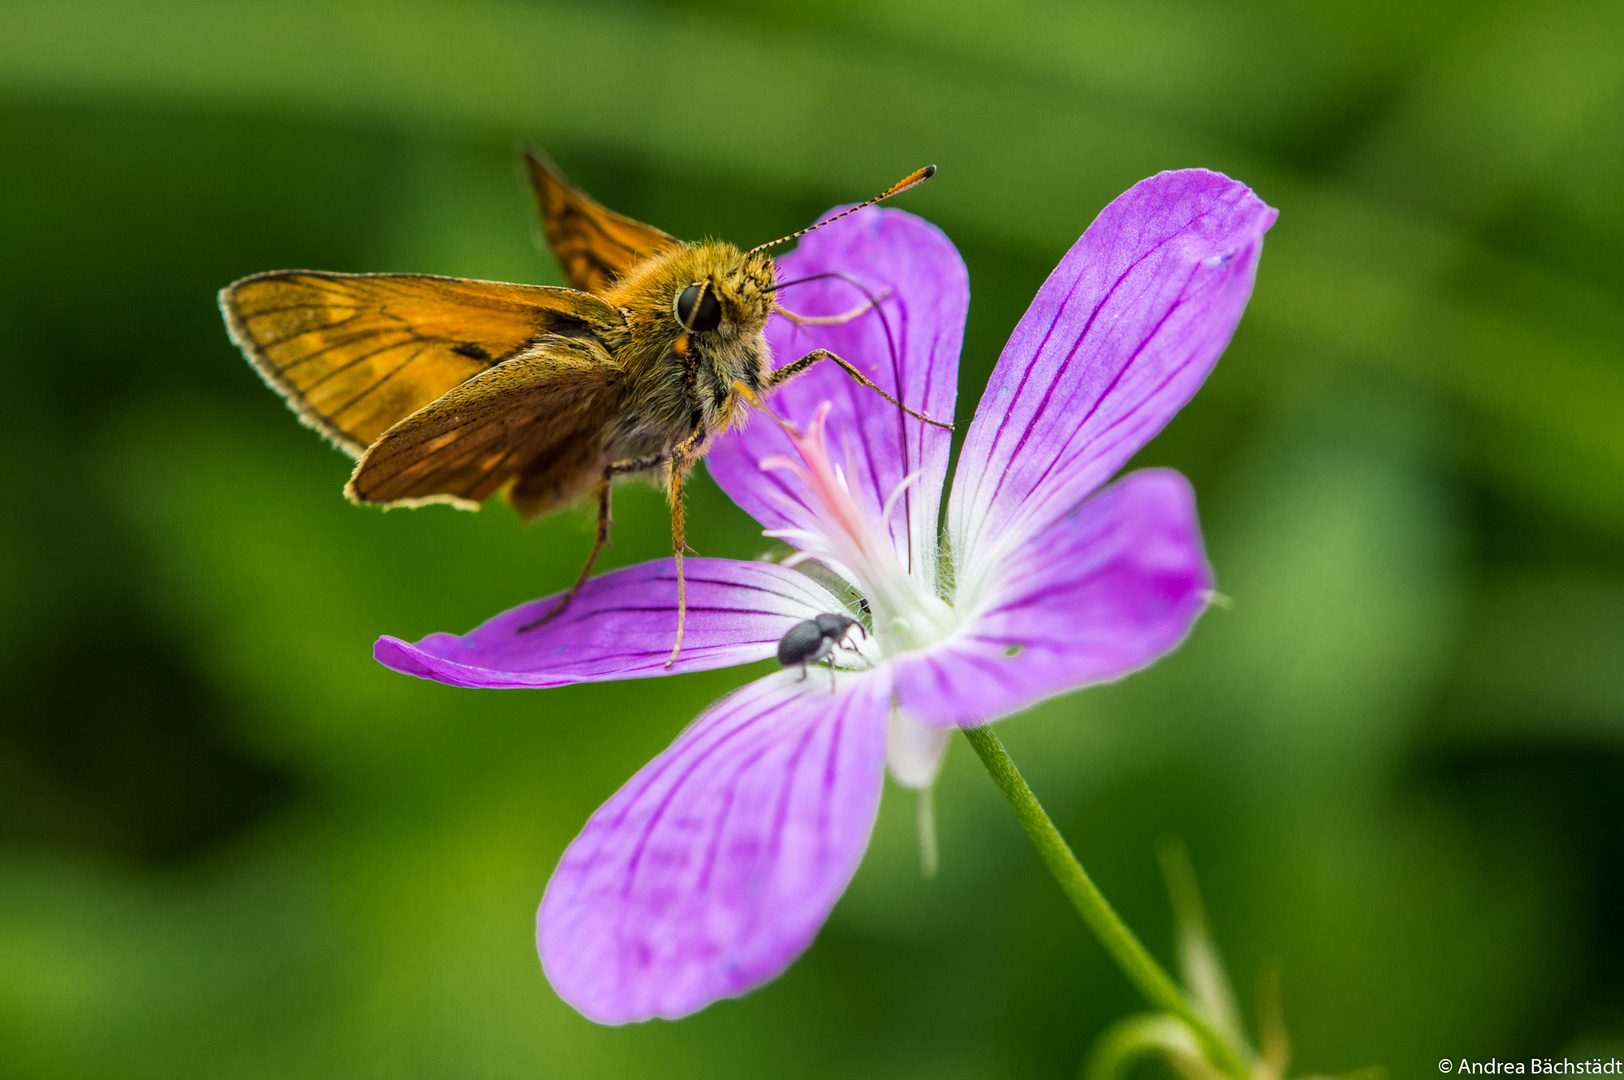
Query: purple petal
622, 626
1118, 339
714, 867
1102, 592
926, 292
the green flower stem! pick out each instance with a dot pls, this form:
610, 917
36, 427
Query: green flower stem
1136, 962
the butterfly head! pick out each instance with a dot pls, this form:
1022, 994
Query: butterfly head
730, 293
710, 293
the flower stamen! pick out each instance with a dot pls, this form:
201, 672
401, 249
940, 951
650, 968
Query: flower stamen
906, 613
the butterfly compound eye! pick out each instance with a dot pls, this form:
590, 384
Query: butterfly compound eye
709, 313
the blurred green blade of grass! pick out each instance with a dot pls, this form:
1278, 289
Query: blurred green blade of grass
1541, 660
1344, 274
1496, 111
1271, 77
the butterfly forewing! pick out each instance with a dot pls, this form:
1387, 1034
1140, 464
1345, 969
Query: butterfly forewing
356, 353
536, 421
593, 245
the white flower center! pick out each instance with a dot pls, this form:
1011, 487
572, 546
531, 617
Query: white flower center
905, 611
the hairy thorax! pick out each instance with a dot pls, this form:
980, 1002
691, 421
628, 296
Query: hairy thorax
680, 381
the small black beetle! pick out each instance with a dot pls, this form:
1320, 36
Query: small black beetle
813, 640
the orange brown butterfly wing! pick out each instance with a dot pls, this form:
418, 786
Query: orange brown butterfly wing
354, 354
594, 246
539, 418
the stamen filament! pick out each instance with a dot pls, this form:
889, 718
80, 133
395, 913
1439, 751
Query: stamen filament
906, 612
897, 493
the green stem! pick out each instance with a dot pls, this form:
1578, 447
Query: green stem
1136, 962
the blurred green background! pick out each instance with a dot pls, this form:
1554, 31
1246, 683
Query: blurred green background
232, 845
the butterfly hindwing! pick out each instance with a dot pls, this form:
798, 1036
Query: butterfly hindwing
538, 419
354, 354
593, 245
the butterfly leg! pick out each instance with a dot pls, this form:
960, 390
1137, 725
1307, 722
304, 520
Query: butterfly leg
789, 371
599, 542
681, 457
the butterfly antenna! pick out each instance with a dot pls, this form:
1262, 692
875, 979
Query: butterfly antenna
912, 180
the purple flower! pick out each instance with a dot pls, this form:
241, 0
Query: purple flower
714, 866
